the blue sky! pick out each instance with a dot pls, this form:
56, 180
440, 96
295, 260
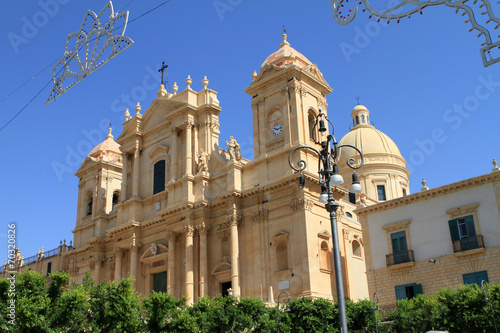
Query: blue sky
422, 80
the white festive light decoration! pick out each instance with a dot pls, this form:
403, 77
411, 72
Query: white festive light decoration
89, 48
343, 15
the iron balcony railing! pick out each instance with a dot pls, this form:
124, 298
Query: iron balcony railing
469, 243
399, 257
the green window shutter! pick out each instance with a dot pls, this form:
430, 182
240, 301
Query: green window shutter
476, 277
417, 289
398, 240
400, 292
454, 230
469, 222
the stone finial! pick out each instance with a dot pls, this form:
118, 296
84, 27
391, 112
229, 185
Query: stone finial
175, 88
188, 82
162, 92
64, 242
70, 243
254, 75
127, 115
495, 167
205, 82
60, 243
285, 42
110, 136
138, 108
424, 184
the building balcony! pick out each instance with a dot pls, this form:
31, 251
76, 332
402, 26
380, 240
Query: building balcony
399, 257
469, 243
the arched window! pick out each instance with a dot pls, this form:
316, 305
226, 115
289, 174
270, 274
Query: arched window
362, 118
325, 256
312, 120
159, 177
88, 203
357, 120
282, 256
356, 248
116, 199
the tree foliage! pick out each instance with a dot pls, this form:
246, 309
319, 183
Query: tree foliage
55, 305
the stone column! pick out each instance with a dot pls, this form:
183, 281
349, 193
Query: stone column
189, 149
133, 260
135, 180
97, 272
203, 230
123, 193
195, 142
173, 173
118, 264
235, 278
171, 262
110, 263
147, 280
189, 230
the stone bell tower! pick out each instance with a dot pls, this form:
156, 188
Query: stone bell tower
287, 94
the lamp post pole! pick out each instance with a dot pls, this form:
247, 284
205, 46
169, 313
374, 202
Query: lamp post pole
329, 176
286, 301
375, 300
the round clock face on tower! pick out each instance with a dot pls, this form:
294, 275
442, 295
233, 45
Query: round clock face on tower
277, 128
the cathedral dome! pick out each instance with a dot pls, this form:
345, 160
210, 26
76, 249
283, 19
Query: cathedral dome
108, 148
366, 137
384, 175
286, 55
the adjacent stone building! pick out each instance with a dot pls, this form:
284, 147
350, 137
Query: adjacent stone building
436, 238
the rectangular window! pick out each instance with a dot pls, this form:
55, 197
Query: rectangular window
476, 278
408, 291
159, 177
463, 234
381, 192
400, 251
160, 282
49, 267
352, 198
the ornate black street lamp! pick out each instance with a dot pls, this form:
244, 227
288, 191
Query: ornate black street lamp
375, 309
486, 291
328, 176
286, 300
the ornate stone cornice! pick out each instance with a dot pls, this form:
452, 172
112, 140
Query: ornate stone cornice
431, 193
188, 124
301, 204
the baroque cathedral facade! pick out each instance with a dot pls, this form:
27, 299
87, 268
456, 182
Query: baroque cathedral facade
165, 205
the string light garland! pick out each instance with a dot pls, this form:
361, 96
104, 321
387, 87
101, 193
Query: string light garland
343, 15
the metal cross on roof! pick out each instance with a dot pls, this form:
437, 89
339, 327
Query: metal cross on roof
162, 69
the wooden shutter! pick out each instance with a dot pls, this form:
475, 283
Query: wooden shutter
417, 289
400, 292
469, 222
399, 243
454, 230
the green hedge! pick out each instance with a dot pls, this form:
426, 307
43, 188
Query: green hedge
109, 307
